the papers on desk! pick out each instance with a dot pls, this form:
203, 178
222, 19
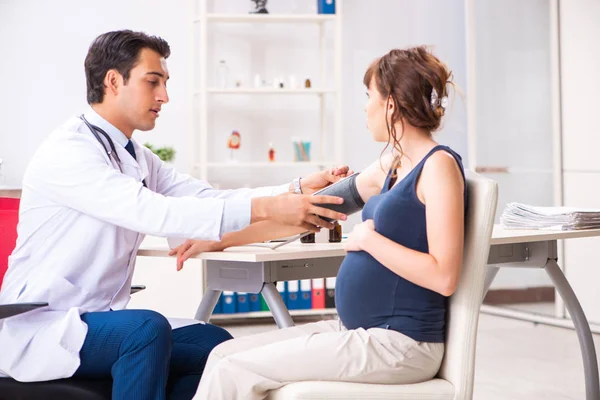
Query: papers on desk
522, 216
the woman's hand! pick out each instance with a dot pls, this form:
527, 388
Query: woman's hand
190, 248
359, 235
319, 180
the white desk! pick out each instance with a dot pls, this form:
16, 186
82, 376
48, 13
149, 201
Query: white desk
10, 191
255, 269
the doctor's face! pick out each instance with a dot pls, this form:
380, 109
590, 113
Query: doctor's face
141, 99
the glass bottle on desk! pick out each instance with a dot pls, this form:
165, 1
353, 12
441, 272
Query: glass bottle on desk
310, 238
335, 234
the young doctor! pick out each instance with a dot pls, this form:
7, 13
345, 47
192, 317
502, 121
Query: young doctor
90, 193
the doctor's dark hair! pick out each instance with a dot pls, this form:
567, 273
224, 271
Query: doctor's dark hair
408, 78
118, 50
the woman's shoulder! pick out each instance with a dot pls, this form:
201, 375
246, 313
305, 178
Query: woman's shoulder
444, 163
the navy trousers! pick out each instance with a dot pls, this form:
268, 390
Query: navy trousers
146, 359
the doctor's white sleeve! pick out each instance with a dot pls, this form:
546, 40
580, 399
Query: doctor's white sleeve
237, 209
172, 183
77, 174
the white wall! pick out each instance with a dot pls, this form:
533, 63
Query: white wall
43, 47
580, 63
513, 109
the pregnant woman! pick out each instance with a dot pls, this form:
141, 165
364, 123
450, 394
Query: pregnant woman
403, 260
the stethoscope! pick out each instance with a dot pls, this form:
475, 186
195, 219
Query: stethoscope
95, 131
112, 151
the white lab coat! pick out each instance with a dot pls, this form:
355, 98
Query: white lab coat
81, 223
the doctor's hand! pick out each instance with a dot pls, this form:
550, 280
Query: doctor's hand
298, 210
190, 248
360, 233
319, 180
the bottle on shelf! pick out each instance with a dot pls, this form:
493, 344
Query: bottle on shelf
271, 152
223, 74
257, 81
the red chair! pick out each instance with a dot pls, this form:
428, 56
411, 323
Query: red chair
9, 215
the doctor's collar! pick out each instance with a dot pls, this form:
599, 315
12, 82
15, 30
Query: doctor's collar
95, 119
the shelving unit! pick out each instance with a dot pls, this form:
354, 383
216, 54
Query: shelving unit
326, 92
205, 91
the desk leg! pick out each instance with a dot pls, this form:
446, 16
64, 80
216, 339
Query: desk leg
278, 309
207, 305
586, 341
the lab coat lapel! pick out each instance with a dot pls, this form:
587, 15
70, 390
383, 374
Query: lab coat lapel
141, 161
129, 165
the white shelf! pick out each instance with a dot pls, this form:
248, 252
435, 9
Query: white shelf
267, 314
270, 18
267, 164
268, 91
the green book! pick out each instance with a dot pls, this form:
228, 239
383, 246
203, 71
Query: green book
263, 304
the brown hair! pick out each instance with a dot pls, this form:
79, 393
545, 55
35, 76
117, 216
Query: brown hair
408, 77
118, 50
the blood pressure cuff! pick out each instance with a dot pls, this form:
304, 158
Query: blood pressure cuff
346, 189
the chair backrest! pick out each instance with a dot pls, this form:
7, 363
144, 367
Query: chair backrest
458, 366
9, 217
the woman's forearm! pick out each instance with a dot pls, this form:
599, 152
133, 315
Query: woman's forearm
256, 233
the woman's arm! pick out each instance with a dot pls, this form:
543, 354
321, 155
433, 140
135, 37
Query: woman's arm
370, 181
254, 233
442, 187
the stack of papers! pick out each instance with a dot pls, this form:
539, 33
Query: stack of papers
522, 216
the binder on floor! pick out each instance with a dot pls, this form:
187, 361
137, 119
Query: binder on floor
293, 300
219, 306
282, 289
255, 301
228, 302
243, 305
305, 294
318, 294
329, 292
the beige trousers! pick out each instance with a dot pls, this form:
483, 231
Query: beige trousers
248, 367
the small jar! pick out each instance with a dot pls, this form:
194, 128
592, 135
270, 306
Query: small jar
335, 234
310, 238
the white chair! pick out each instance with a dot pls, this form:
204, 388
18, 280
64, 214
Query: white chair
454, 381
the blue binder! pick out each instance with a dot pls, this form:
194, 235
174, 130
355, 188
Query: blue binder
305, 294
254, 301
243, 304
326, 6
219, 306
293, 295
228, 302
282, 289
